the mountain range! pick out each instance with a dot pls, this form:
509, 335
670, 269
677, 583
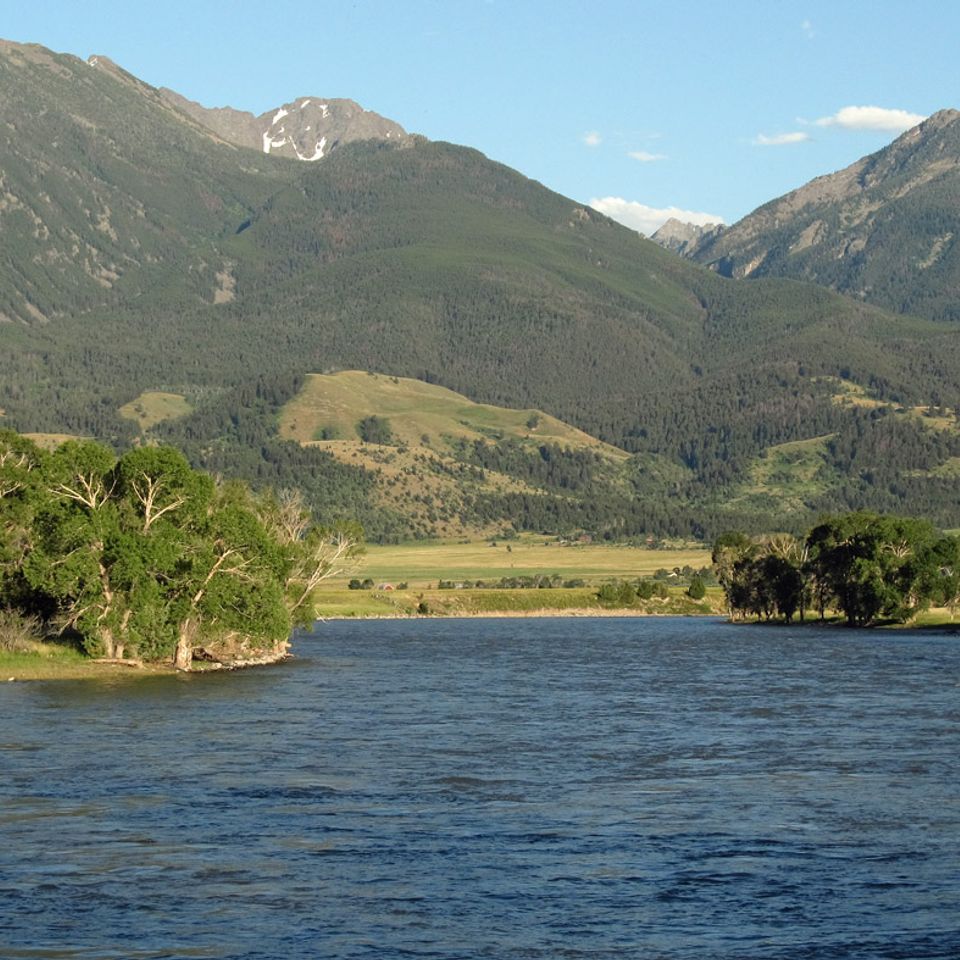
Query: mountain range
885, 230
153, 248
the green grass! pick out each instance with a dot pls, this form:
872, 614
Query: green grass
423, 564
155, 406
420, 471
339, 603
937, 617
787, 476
58, 661
949, 469
336, 402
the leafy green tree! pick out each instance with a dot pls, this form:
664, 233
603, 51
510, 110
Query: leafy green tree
158, 484
873, 565
626, 594
608, 593
78, 538
20, 463
229, 583
645, 589
374, 429
146, 556
731, 554
944, 573
696, 590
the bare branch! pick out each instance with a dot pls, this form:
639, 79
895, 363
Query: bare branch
90, 490
147, 494
329, 558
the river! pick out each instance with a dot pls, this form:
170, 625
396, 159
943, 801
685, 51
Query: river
569, 788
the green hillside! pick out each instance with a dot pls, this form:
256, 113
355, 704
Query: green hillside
110, 196
437, 456
331, 408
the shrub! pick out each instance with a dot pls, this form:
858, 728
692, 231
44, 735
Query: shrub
607, 593
696, 590
375, 429
18, 633
645, 589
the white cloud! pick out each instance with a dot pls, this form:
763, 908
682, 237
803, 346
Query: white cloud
807, 27
592, 139
872, 118
645, 157
780, 139
648, 220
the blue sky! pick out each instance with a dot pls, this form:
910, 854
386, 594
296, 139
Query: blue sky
711, 108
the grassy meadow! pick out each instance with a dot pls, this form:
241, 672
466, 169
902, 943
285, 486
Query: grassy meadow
423, 564
155, 406
561, 601
329, 407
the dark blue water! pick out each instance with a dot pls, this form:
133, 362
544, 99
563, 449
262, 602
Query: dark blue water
500, 789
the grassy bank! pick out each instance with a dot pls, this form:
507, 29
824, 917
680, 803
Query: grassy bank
56, 661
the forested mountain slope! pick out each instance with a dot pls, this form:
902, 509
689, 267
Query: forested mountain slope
142, 252
885, 230
108, 195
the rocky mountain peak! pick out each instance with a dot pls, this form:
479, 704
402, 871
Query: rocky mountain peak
679, 236
307, 128
878, 230
941, 118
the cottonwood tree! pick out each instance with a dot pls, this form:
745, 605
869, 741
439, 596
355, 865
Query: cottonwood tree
729, 550
229, 583
873, 565
20, 462
146, 556
945, 573
77, 537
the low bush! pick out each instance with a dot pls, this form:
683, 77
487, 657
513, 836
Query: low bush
18, 633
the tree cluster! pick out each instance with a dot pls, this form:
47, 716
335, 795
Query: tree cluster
623, 593
869, 567
145, 557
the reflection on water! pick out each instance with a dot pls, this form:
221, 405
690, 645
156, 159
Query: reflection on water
501, 789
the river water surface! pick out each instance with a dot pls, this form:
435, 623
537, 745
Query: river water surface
500, 789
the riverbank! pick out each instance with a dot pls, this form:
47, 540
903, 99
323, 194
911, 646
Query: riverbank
56, 661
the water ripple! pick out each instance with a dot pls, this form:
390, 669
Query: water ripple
665, 790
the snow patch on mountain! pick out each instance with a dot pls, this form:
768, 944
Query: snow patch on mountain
317, 152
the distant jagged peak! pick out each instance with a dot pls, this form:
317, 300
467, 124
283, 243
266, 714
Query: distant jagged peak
882, 230
307, 128
679, 235
923, 153
940, 119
